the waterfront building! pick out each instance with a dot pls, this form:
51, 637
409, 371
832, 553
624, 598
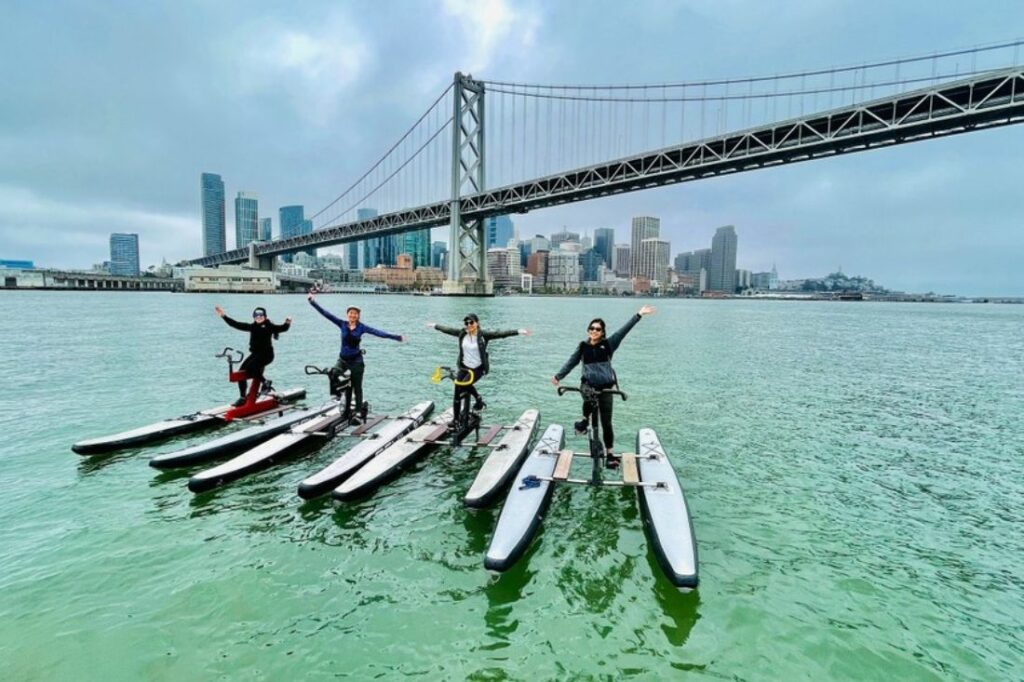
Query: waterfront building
743, 279
503, 268
621, 261
211, 198
124, 254
265, 230
604, 244
246, 219
652, 263
563, 270
290, 219
722, 273
229, 278
498, 230
644, 227
765, 281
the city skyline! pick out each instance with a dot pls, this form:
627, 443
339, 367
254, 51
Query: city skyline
334, 88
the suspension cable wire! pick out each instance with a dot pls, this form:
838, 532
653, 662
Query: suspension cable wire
385, 156
388, 178
1016, 44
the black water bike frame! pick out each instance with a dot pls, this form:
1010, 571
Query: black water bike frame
598, 454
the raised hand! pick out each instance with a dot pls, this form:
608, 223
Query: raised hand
287, 320
525, 332
431, 325
220, 311
554, 381
647, 310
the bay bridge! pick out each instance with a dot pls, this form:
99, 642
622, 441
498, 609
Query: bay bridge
486, 148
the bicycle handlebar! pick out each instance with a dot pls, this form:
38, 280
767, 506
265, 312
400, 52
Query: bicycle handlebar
609, 391
229, 353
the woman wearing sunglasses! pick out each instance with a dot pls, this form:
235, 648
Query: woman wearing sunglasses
261, 349
473, 363
596, 354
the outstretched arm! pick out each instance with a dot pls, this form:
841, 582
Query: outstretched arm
504, 333
278, 328
231, 323
323, 311
450, 331
574, 360
382, 334
615, 339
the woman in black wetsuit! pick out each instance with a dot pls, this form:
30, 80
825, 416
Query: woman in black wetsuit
473, 361
261, 348
596, 354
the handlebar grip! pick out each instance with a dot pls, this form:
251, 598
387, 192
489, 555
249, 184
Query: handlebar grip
313, 369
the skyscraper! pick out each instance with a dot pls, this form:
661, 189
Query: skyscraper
604, 243
437, 253
211, 195
290, 219
644, 227
722, 273
497, 231
265, 230
373, 247
622, 261
246, 219
124, 254
352, 256
653, 260
416, 243
590, 263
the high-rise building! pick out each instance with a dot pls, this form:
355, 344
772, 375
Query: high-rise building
644, 227
307, 228
246, 219
540, 243
604, 243
563, 270
124, 254
375, 249
265, 230
416, 243
290, 219
564, 236
722, 273
352, 256
525, 249
653, 260
437, 254
693, 261
503, 268
498, 230
622, 261
537, 265
211, 195
590, 265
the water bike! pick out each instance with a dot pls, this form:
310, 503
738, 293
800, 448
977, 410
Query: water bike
261, 400
648, 470
496, 471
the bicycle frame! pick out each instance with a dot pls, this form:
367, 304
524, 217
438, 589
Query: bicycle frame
598, 453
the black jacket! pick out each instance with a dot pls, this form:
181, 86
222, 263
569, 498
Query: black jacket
260, 335
597, 358
482, 338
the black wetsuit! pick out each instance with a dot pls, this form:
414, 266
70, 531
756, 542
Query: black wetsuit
598, 374
261, 347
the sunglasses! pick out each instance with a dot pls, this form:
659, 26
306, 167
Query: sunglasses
468, 323
258, 315
595, 329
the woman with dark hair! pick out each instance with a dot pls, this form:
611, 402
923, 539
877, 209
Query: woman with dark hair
473, 362
261, 348
350, 357
596, 354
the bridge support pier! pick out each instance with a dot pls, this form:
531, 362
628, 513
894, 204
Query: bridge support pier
467, 256
268, 263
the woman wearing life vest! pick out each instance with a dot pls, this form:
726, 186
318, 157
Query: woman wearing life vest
473, 361
261, 348
596, 355
350, 358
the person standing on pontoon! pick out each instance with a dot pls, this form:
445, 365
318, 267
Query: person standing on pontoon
596, 354
261, 347
350, 357
473, 361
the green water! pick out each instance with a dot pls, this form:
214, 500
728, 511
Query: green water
854, 471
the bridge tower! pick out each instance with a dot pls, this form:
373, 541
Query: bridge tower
467, 260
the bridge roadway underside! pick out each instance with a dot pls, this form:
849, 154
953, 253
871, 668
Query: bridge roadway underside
987, 100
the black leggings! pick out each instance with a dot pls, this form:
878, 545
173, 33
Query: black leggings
605, 401
356, 368
469, 388
253, 366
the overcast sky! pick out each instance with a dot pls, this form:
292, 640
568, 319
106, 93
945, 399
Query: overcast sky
110, 111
